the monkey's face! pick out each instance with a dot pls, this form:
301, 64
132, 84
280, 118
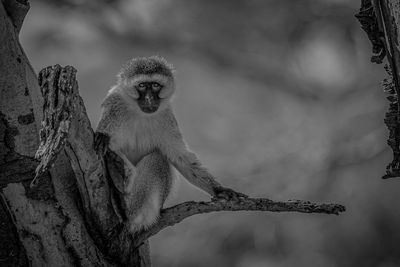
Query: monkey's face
149, 99
151, 92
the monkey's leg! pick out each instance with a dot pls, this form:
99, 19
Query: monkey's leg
146, 191
131, 173
145, 253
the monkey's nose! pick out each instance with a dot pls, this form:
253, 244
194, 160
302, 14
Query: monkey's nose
149, 98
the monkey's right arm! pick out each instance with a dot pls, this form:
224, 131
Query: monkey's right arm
187, 163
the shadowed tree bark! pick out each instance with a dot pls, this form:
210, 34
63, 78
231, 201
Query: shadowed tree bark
73, 214
381, 21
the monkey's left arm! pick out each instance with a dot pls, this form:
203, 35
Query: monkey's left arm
112, 115
190, 167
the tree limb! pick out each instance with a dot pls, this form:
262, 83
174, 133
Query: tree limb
176, 214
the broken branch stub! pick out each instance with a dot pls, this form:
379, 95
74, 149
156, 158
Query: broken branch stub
56, 115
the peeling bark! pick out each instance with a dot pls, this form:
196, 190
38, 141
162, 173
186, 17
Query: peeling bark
389, 14
66, 127
381, 21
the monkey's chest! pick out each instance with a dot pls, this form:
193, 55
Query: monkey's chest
139, 141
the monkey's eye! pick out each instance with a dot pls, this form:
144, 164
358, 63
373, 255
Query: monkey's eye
156, 86
141, 86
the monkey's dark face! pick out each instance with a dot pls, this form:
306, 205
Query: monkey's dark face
149, 99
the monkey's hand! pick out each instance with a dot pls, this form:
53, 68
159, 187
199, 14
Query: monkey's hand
101, 142
228, 194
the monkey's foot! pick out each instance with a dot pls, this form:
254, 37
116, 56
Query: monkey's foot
228, 194
101, 142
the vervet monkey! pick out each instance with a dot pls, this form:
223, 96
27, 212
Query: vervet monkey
137, 123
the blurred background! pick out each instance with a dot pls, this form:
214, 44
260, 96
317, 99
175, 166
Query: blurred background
278, 98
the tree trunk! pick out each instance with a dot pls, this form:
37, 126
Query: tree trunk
381, 21
43, 225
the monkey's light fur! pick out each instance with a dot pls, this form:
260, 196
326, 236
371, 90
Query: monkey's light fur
149, 142
146, 66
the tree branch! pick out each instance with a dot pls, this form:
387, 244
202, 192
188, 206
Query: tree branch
176, 214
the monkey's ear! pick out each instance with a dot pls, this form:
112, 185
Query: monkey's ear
132, 92
130, 89
128, 86
167, 91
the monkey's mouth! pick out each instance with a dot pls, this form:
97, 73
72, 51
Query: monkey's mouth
149, 109
149, 106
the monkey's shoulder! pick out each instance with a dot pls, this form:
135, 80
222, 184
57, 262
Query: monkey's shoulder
113, 97
115, 106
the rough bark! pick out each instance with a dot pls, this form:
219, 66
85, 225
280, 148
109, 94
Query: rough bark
46, 218
66, 127
18, 144
380, 20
